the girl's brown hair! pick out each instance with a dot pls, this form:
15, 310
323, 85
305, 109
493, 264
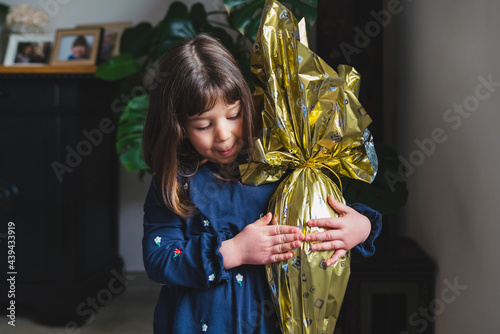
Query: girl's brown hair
190, 79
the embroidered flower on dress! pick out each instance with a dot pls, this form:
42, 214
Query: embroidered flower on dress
177, 252
206, 223
158, 240
239, 278
211, 278
204, 326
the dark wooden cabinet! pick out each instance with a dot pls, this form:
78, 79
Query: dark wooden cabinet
58, 186
391, 292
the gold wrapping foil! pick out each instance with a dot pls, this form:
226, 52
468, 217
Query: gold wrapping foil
312, 123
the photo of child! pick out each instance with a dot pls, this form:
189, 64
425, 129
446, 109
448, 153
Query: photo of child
80, 49
110, 41
75, 47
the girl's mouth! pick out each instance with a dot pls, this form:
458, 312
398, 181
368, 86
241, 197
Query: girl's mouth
226, 152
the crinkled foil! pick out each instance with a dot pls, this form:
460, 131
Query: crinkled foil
313, 124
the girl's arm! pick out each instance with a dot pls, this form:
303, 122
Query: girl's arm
356, 227
170, 256
175, 257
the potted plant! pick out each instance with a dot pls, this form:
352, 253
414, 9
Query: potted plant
143, 45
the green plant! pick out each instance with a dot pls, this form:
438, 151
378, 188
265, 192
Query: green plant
4, 9
245, 14
143, 45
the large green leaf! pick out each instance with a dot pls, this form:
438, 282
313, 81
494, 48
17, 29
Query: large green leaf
4, 9
129, 134
118, 67
137, 40
242, 16
175, 27
199, 18
245, 14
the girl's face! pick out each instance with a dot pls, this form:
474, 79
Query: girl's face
217, 134
78, 51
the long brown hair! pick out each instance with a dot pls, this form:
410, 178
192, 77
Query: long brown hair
190, 79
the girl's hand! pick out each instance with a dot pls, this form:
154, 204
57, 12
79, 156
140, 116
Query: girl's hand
347, 230
261, 243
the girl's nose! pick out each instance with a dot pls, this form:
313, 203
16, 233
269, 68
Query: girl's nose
223, 132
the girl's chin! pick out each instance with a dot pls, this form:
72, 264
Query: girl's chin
223, 161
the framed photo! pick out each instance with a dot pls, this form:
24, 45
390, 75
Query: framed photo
28, 49
110, 42
76, 47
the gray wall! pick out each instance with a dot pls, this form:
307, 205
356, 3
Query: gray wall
446, 50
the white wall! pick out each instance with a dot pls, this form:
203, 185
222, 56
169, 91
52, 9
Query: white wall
453, 211
69, 13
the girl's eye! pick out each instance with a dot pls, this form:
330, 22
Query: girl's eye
204, 128
235, 117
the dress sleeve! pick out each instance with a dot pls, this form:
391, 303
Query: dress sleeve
367, 248
170, 256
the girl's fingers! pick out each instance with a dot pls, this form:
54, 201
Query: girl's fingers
276, 229
286, 238
284, 248
323, 222
266, 219
283, 229
280, 257
324, 236
338, 206
328, 245
335, 257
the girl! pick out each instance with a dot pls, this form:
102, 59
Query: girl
203, 238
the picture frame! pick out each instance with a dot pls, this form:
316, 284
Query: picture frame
110, 42
76, 47
28, 50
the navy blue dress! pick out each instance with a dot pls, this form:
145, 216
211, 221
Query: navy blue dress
198, 295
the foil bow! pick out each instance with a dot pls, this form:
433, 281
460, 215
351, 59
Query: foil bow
313, 124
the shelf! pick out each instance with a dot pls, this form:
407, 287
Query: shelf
47, 69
